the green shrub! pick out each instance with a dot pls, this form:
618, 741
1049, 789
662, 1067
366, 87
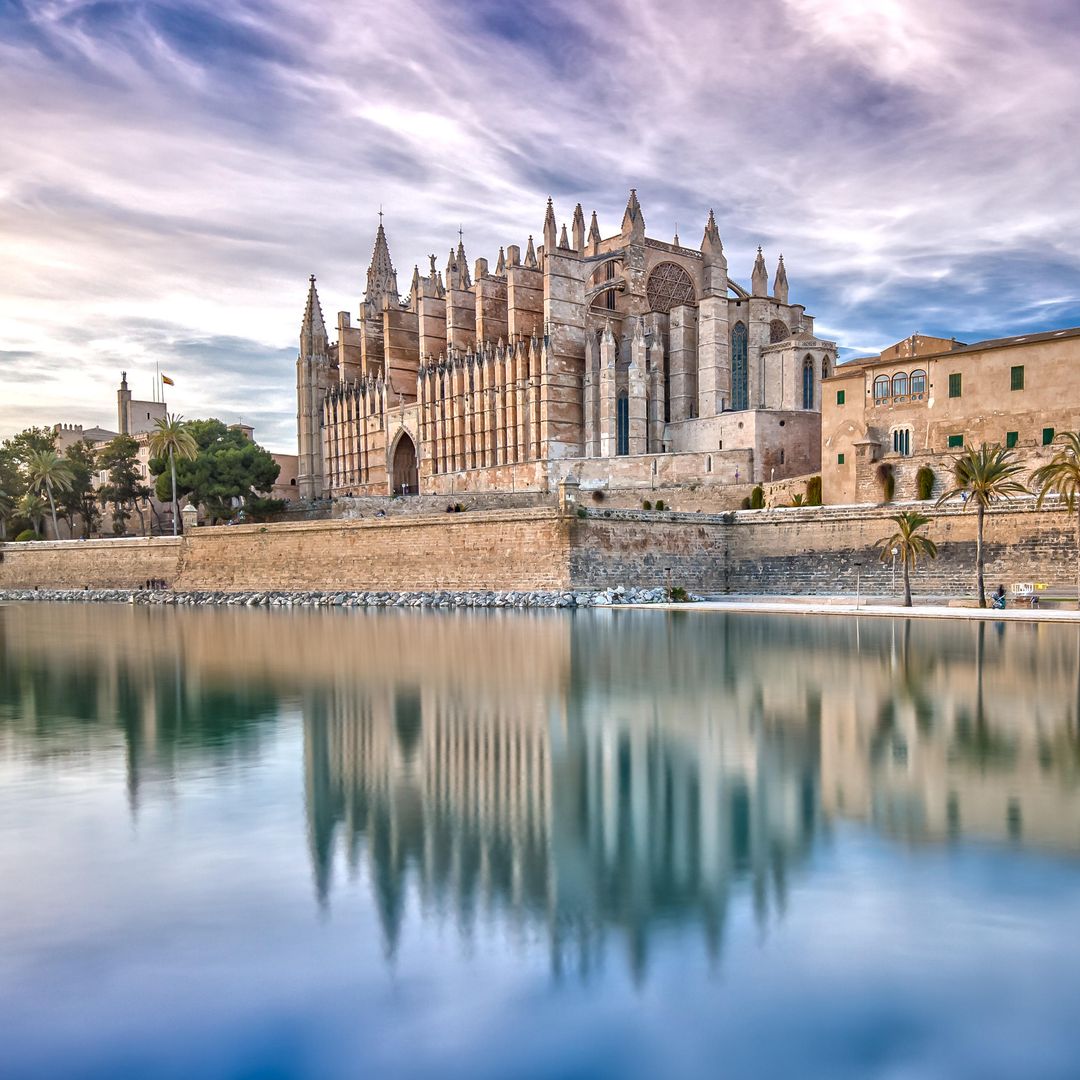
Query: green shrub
678, 595
797, 500
813, 491
757, 498
582, 512
26, 534
745, 504
646, 505
924, 482
887, 479
660, 504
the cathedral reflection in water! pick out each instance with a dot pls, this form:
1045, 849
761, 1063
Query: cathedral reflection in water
593, 777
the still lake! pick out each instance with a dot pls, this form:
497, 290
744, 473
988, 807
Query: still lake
597, 844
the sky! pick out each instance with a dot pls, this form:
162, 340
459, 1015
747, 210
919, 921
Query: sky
171, 171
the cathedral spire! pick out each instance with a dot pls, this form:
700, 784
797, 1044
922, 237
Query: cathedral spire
381, 276
711, 245
633, 222
594, 233
579, 230
464, 281
564, 243
549, 227
759, 279
530, 254
780, 285
500, 266
313, 340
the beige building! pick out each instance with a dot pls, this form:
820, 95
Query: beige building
924, 399
622, 356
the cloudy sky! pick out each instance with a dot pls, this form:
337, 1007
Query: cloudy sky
172, 171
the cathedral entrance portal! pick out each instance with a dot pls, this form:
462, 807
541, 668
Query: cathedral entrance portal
404, 474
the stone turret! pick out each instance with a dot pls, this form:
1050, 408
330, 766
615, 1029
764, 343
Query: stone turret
633, 222
759, 279
714, 259
780, 285
381, 276
123, 404
550, 228
594, 235
312, 384
579, 230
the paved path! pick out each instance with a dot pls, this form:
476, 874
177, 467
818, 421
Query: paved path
776, 605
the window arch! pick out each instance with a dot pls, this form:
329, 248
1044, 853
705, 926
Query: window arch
900, 384
918, 383
668, 286
881, 389
824, 367
740, 391
778, 331
622, 424
808, 383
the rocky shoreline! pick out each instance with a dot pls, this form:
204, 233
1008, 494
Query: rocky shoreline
599, 598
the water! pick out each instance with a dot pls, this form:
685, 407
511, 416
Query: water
269, 844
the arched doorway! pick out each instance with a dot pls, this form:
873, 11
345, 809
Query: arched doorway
404, 476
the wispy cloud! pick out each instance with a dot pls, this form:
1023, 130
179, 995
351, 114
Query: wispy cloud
174, 169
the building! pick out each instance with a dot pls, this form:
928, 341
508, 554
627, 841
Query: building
922, 400
617, 360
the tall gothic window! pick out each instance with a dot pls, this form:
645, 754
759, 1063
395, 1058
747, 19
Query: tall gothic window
740, 391
808, 383
622, 425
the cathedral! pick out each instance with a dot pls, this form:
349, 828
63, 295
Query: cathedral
616, 360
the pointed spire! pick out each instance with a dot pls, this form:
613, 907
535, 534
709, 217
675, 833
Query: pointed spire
530, 255
579, 230
759, 279
594, 233
677, 244
780, 285
462, 263
711, 246
451, 271
500, 266
414, 288
381, 276
564, 243
313, 340
633, 222
549, 226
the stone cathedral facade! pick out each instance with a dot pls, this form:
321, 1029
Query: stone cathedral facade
624, 360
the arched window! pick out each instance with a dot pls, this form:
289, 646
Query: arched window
808, 383
778, 331
824, 367
669, 285
918, 384
881, 389
622, 424
900, 384
740, 391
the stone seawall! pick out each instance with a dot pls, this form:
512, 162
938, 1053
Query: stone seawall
809, 551
121, 563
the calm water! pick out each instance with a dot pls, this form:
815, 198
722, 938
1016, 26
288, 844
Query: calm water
269, 844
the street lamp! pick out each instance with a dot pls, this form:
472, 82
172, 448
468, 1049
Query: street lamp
895, 552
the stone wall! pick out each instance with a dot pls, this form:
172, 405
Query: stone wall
120, 563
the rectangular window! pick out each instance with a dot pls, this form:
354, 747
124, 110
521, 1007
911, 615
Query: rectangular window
955, 441
1011, 439
955, 384
839, 397
901, 441
839, 459
1048, 436
1017, 376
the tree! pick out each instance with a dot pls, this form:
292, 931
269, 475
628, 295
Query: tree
1061, 476
7, 510
120, 458
984, 475
909, 544
47, 469
171, 439
81, 498
32, 507
227, 467
14, 453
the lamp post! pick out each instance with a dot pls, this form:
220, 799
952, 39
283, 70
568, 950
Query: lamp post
895, 552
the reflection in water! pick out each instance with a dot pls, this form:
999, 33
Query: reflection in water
594, 776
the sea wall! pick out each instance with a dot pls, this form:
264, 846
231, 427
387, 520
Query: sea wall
818, 550
119, 563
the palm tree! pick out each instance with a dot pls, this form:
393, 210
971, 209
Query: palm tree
7, 507
985, 474
47, 469
32, 506
171, 437
1061, 476
909, 544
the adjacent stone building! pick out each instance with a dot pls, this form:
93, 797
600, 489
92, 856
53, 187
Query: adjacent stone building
615, 360
924, 399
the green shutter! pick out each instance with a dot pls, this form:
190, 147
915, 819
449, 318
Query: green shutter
1048, 436
955, 384
839, 459
839, 397
1017, 375
955, 441
1011, 438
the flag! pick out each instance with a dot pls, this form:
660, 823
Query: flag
167, 381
